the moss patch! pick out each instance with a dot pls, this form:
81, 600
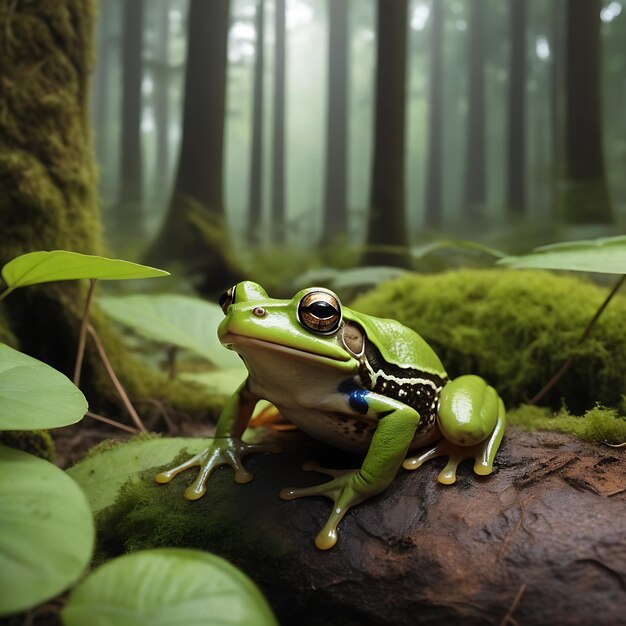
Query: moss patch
514, 328
598, 425
37, 442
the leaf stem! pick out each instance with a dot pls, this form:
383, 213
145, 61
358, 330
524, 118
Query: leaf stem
557, 377
82, 338
5, 293
111, 422
121, 392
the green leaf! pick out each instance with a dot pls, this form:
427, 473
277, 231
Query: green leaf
182, 321
103, 473
457, 244
167, 587
46, 531
44, 267
224, 382
606, 256
34, 395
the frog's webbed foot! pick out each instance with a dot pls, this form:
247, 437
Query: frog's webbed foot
221, 451
341, 490
456, 454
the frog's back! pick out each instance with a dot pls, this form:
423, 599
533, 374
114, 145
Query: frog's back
398, 363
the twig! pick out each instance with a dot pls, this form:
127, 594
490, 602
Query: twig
82, 338
111, 422
615, 445
557, 377
115, 380
508, 618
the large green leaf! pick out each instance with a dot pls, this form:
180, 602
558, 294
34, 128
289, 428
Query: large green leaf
607, 256
167, 587
102, 474
34, 395
46, 531
182, 321
44, 267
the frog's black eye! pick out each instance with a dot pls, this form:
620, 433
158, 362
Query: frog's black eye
226, 299
320, 312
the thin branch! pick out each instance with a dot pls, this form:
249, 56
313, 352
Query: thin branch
508, 618
115, 380
82, 338
111, 422
557, 377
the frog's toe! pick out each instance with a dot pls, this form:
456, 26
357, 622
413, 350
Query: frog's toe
166, 476
314, 466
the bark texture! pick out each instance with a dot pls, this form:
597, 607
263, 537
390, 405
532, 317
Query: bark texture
542, 540
387, 238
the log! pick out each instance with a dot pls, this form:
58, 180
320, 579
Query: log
540, 541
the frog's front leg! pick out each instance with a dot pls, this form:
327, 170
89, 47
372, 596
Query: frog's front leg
391, 440
226, 448
471, 418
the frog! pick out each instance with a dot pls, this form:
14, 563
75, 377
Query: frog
360, 383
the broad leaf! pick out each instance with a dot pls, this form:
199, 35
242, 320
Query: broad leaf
182, 321
44, 267
224, 382
102, 474
34, 395
46, 531
167, 587
456, 244
607, 256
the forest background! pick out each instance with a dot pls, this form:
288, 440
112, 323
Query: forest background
356, 125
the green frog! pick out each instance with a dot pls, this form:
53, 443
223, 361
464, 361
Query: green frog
357, 382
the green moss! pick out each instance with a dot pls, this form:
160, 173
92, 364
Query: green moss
514, 328
147, 515
598, 425
37, 442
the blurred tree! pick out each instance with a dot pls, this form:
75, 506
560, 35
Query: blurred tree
336, 178
255, 198
161, 73
433, 200
387, 238
475, 157
278, 137
102, 80
516, 161
586, 198
194, 233
129, 215
557, 99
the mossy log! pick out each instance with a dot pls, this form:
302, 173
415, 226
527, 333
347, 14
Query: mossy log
540, 541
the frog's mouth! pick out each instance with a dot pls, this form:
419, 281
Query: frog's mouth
233, 341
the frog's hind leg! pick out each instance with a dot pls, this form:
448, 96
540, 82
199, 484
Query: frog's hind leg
472, 420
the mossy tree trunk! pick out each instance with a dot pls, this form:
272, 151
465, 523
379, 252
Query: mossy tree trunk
194, 234
48, 185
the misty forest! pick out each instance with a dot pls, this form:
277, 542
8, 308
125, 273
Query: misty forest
441, 184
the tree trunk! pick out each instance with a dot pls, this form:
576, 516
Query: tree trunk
131, 172
475, 157
336, 179
162, 100
557, 104
434, 190
542, 540
255, 198
516, 162
387, 239
278, 139
587, 198
194, 232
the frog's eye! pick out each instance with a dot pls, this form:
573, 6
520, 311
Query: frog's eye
226, 299
320, 312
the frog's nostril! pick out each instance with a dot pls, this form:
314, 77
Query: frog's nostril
259, 311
